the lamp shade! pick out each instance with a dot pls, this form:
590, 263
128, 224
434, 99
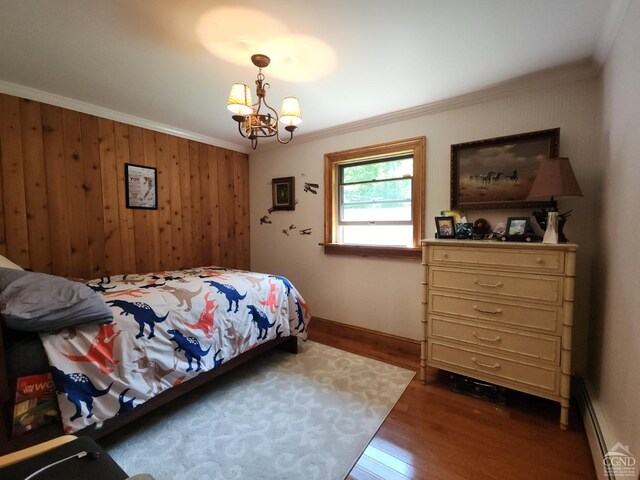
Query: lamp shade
239, 101
290, 112
555, 178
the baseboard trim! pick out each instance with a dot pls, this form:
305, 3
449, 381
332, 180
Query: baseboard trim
594, 426
386, 342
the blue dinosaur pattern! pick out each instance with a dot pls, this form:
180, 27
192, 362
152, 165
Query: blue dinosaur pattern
142, 313
125, 405
151, 348
190, 346
79, 389
228, 291
261, 321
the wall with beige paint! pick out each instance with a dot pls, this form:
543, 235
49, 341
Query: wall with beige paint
614, 366
384, 295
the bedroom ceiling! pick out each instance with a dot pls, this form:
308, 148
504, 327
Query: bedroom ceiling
345, 60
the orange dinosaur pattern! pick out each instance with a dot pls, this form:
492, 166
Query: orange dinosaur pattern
206, 320
271, 298
101, 350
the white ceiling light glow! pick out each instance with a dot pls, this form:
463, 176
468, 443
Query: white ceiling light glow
295, 58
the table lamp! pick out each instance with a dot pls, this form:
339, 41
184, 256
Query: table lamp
555, 179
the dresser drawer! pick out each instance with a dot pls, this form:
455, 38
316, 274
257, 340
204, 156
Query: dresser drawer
532, 260
468, 361
533, 346
546, 318
508, 285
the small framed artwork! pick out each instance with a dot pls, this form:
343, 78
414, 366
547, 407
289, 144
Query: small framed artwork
517, 227
283, 193
499, 172
445, 227
141, 187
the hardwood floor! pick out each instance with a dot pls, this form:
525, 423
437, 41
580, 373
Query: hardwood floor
433, 433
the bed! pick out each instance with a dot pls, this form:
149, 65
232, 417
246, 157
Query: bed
166, 333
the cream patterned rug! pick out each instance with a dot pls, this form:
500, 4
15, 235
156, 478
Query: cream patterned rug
281, 416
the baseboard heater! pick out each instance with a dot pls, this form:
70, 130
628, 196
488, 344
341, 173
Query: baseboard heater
593, 429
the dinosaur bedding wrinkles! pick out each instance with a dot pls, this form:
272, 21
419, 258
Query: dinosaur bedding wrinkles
167, 328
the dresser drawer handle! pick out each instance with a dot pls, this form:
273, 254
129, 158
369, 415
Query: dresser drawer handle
539, 260
480, 284
486, 339
485, 365
495, 312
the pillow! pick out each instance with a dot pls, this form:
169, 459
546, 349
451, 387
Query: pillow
37, 302
6, 263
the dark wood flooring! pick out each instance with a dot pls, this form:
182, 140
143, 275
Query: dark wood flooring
433, 433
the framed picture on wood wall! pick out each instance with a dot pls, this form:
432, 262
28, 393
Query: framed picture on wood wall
498, 172
141, 186
284, 193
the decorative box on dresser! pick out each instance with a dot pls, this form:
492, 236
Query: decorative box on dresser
501, 312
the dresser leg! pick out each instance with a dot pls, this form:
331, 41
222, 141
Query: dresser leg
564, 416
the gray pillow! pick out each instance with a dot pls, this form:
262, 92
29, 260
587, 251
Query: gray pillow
37, 302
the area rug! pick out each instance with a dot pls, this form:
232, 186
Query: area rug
281, 416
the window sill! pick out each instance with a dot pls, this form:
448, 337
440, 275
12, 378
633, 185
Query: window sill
405, 253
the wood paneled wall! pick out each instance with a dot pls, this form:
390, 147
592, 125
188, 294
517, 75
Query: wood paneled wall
62, 201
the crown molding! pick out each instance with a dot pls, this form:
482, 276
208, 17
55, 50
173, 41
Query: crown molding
88, 108
570, 73
611, 26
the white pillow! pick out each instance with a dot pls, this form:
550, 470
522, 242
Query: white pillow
6, 263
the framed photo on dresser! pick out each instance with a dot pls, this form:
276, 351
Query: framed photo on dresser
445, 227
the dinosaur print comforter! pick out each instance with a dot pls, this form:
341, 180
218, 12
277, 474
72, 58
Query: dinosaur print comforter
167, 328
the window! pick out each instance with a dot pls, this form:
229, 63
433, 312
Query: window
374, 199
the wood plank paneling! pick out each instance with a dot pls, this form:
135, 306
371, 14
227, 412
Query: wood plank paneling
164, 201
227, 208
113, 257
214, 201
125, 215
205, 202
196, 211
241, 199
93, 195
15, 208
60, 235
140, 221
63, 208
35, 185
153, 223
177, 240
185, 194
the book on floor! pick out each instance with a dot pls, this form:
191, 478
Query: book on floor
36, 403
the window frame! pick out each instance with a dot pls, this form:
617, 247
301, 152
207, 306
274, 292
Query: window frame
413, 146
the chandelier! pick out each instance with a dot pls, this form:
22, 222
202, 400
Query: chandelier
253, 124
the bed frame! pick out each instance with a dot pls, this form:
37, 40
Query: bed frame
7, 395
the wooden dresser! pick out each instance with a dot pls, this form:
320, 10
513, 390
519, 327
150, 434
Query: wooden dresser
500, 312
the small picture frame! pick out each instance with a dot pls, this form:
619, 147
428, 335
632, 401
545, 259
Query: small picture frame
141, 186
445, 227
517, 227
284, 193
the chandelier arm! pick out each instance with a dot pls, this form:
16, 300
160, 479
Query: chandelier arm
275, 114
240, 130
